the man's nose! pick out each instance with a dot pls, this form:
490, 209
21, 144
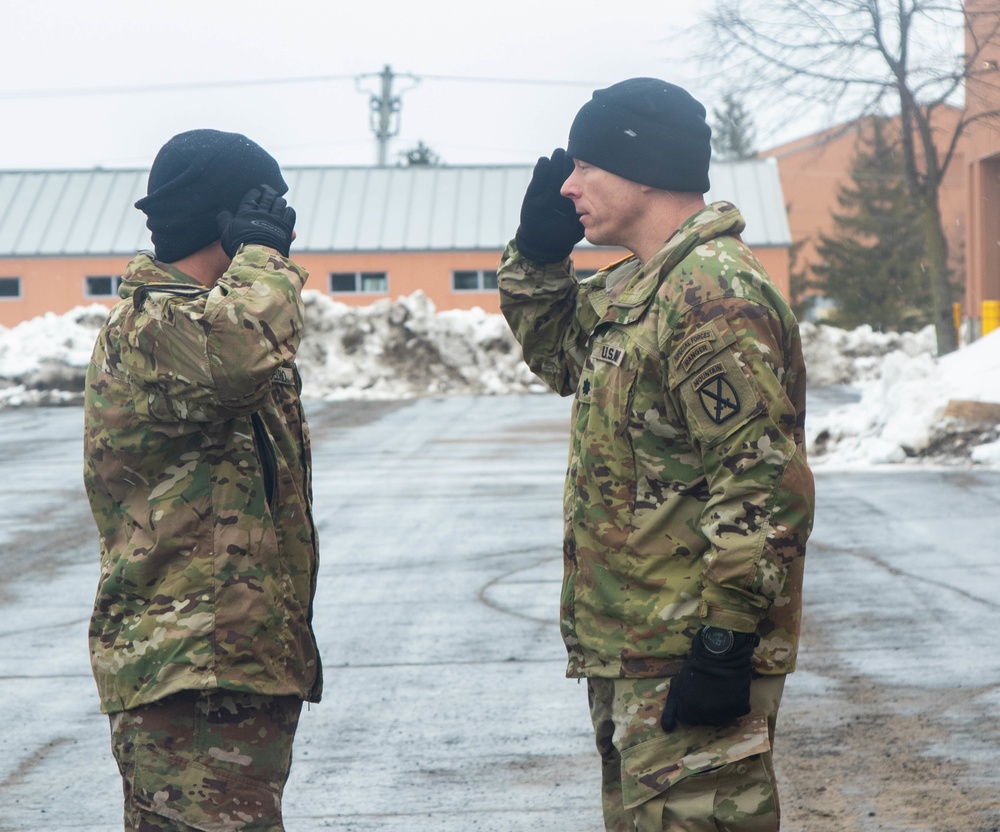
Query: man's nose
569, 188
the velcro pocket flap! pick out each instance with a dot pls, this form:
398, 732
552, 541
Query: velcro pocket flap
652, 767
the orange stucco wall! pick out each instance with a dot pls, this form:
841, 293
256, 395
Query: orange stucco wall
57, 285
408, 272
51, 285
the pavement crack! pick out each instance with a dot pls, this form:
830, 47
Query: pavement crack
902, 573
31, 762
484, 593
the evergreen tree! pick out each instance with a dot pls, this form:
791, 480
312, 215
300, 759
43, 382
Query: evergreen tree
732, 131
874, 266
802, 294
419, 156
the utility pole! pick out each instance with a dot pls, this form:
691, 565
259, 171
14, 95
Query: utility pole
385, 109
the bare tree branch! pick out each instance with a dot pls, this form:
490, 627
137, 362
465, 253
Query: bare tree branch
901, 58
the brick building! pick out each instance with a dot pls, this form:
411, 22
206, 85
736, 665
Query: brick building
982, 152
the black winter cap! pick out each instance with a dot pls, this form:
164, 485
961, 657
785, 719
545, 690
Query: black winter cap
196, 175
646, 130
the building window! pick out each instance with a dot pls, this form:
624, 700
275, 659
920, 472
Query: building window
368, 282
474, 280
10, 287
101, 286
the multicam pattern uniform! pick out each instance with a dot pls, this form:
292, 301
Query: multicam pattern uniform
646, 773
197, 469
213, 760
688, 500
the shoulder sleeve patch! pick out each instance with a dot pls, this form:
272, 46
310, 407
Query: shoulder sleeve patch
717, 396
696, 346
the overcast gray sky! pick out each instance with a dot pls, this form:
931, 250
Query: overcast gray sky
78, 80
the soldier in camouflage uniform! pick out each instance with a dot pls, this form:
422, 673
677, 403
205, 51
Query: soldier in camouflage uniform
197, 467
688, 499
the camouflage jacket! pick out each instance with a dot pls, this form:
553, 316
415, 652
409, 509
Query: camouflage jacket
688, 499
197, 467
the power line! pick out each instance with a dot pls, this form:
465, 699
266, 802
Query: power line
533, 81
135, 89
71, 92
385, 102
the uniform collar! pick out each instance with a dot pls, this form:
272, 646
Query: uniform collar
629, 297
143, 268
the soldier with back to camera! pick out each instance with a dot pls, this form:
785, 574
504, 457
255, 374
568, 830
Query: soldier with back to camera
197, 467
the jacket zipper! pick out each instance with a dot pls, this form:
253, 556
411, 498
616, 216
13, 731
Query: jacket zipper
268, 459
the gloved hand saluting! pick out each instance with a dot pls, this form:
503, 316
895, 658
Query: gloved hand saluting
713, 687
549, 225
263, 219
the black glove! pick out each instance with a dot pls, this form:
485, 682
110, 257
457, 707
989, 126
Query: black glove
711, 689
263, 218
549, 225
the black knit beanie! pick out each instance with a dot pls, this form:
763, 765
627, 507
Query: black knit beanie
648, 131
196, 175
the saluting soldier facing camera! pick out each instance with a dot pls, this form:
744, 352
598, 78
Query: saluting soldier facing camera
688, 499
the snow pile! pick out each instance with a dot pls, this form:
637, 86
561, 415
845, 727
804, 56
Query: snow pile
912, 405
917, 407
849, 356
403, 348
43, 361
389, 350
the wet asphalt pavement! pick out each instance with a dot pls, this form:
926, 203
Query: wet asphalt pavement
446, 707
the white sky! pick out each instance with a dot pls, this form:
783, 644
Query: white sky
53, 46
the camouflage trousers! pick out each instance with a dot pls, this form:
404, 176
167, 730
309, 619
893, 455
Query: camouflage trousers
215, 761
695, 779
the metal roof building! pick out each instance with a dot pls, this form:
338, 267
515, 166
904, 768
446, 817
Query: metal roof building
73, 213
350, 219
